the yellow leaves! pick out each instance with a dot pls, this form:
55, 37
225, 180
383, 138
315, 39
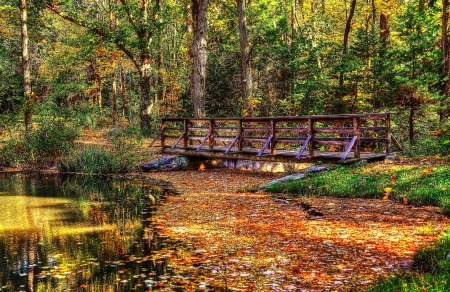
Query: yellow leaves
388, 191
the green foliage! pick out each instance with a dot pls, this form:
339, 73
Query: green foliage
96, 159
420, 185
433, 270
41, 145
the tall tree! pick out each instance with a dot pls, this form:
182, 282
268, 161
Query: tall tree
136, 25
246, 70
26, 70
445, 56
199, 55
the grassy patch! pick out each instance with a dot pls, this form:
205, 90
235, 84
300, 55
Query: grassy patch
122, 156
419, 183
433, 271
412, 184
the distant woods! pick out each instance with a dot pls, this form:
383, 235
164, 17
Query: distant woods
139, 61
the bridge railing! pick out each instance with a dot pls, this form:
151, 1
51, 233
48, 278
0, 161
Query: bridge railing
324, 133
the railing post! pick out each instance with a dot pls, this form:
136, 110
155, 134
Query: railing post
388, 134
273, 149
163, 133
211, 134
311, 134
240, 133
185, 127
357, 134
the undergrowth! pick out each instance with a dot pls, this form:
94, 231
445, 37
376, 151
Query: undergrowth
432, 264
412, 184
121, 157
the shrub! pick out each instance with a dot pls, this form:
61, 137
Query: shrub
41, 145
95, 159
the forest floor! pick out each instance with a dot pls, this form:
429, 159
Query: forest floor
261, 242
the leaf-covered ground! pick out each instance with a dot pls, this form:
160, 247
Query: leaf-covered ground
255, 242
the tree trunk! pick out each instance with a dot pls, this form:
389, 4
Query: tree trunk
160, 81
96, 79
146, 104
385, 32
348, 28
25, 65
199, 56
246, 69
445, 56
115, 114
123, 92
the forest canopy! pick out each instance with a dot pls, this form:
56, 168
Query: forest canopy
133, 62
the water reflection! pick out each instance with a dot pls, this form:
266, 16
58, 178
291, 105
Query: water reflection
76, 233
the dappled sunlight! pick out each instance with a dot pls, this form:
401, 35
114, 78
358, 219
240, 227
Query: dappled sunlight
256, 242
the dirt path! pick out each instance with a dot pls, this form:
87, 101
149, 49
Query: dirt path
253, 242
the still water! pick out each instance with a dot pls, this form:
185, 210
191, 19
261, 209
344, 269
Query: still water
79, 233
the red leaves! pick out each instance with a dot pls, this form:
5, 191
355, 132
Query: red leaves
277, 244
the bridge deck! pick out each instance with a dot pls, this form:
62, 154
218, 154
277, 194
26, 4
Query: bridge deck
345, 138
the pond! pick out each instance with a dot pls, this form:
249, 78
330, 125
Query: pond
79, 233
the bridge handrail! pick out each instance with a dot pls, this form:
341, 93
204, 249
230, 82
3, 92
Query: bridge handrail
342, 129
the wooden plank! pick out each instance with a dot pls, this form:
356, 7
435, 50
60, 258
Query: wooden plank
225, 130
222, 138
388, 134
330, 142
179, 139
357, 133
256, 130
232, 143
196, 137
156, 138
349, 147
272, 144
292, 130
204, 141
250, 139
240, 133
311, 133
303, 147
287, 140
185, 127
198, 129
260, 153
334, 130
211, 135
396, 143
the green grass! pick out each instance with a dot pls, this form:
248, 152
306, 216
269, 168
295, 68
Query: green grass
433, 271
416, 183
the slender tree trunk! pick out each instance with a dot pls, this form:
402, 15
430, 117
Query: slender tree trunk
115, 114
146, 105
246, 69
385, 32
96, 79
123, 92
445, 56
25, 64
348, 27
199, 56
160, 81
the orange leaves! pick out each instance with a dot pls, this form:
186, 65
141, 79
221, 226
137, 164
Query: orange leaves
249, 238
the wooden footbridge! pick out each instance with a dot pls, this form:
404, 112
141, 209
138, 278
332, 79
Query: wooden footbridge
344, 138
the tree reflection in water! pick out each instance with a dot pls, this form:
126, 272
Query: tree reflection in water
79, 233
